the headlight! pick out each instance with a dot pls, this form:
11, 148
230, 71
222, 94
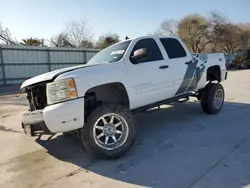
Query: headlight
61, 90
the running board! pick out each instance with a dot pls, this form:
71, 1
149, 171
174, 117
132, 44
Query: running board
183, 100
167, 101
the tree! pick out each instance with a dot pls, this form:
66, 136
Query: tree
245, 36
194, 30
216, 21
61, 40
107, 40
87, 44
230, 36
79, 33
167, 28
5, 35
32, 42
208, 34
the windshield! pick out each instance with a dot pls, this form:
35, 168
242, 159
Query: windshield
111, 54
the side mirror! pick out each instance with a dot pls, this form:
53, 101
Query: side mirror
139, 54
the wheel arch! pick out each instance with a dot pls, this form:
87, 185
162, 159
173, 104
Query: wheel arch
114, 92
214, 73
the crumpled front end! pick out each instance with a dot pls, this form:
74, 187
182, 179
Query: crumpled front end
56, 118
36, 96
32, 120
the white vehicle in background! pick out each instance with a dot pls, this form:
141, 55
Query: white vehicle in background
98, 99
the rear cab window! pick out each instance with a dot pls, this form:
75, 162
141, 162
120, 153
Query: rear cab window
173, 48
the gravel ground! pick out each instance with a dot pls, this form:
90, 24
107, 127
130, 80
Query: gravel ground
177, 146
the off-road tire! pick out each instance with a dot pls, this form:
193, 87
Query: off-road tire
208, 96
87, 136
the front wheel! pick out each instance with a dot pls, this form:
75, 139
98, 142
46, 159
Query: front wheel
109, 131
212, 98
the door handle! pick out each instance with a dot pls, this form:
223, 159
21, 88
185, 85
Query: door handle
163, 67
188, 63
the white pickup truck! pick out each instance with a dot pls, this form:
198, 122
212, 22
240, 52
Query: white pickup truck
98, 99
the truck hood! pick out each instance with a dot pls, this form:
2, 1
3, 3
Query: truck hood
50, 76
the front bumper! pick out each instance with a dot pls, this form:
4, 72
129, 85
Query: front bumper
57, 118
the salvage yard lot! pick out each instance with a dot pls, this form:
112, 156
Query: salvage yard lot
177, 146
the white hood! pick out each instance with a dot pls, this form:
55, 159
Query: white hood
51, 75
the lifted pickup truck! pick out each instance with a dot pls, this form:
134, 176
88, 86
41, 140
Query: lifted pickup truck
98, 99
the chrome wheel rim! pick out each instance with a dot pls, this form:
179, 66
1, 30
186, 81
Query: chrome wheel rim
110, 131
218, 98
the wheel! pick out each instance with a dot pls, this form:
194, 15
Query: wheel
212, 98
109, 131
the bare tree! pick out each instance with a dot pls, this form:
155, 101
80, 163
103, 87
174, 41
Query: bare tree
208, 34
87, 44
216, 20
5, 35
245, 36
79, 32
61, 40
107, 40
194, 30
230, 37
167, 28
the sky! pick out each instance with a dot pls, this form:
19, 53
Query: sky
46, 18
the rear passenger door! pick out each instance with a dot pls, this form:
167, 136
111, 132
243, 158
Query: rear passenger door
180, 65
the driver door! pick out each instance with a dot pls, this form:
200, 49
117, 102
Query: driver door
148, 74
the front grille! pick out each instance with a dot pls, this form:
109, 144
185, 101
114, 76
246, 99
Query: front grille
37, 97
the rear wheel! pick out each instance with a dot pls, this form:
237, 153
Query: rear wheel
109, 131
212, 98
